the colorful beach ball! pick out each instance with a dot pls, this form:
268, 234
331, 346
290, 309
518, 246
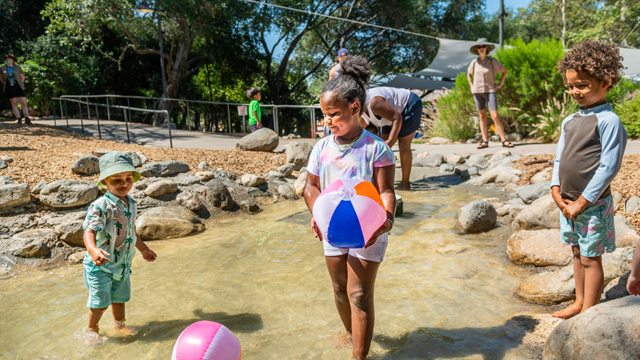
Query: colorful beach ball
348, 212
207, 340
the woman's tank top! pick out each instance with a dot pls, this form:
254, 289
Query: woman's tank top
397, 98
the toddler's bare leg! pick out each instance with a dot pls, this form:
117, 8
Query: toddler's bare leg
578, 275
117, 309
94, 318
593, 281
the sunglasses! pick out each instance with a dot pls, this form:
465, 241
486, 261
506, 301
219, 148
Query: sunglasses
481, 47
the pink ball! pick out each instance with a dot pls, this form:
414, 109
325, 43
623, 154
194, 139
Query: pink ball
207, 340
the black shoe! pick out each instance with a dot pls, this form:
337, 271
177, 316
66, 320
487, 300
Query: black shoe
19, 121
27, 121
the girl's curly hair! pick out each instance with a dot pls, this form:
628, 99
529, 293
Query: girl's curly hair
350, 85
601, 61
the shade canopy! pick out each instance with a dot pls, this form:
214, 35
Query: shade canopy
631, 61
408, 82
453, 57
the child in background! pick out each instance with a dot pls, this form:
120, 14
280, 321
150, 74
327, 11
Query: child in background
352, 153
254, 109
588, 157
111, 239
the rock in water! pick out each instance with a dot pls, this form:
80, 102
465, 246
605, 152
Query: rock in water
251, 180
433, 160
160, 188
29, 244
261, 140
218, 195
531, 193
549, 287
163, 168
542, 214
167, 222
68, 193
298, 186
606, 331
477, 216
286, 191
86, 165
12, 195
626, 235
249, 206
298, 154
190, 201
71, 232
539, 248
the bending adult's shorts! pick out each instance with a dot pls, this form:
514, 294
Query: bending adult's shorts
411, 116
483, 99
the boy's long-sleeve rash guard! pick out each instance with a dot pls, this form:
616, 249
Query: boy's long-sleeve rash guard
589, 153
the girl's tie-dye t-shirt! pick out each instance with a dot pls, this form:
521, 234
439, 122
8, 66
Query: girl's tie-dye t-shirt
330, 161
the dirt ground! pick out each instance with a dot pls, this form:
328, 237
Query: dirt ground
44, 153
627, 182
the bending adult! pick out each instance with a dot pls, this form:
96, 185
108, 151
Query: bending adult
482, 80
397, 113
13, 85
335, 70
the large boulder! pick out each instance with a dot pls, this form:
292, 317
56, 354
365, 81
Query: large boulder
68, 193
544, 175
500, 175
86, 165
433, 160
298, 154
160, 188
632, 205
626, 234
539, 248
12, 195
163, 168
477, 160
533, 192
71, 232
477, 216
542, 214
261, 140
167, 222
218, 195
286, 191
606, 331
30, 244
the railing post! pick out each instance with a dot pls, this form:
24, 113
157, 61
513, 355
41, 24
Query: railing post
229, 117
81, 122
313, 123
61, 112
126, 125
188, 119
275, 120
108, 110
244, 124
169, 123
128, 113
66, 113
98, 120
88, 109
53, 110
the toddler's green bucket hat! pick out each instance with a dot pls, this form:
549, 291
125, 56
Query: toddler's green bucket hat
116, 162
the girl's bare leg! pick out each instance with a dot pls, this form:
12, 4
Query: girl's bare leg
360, 285
578, 275
337, 266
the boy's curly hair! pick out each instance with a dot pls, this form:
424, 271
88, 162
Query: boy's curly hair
601, 61
252, 92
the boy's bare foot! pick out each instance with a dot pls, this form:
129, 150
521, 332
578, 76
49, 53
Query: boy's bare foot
342, 340
570, 311
122, 329
91, 337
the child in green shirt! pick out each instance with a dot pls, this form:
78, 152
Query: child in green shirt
254, 109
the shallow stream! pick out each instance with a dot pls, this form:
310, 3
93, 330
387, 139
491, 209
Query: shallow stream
439, 295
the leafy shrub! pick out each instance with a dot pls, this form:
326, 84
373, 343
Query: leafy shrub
454, 119
553, 112
629, 113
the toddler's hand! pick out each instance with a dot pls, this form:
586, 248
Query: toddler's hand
633, 285
316, 230
385, 228
149, 255
572, 209
98, 256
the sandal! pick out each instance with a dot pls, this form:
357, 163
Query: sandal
483, 145
509, 145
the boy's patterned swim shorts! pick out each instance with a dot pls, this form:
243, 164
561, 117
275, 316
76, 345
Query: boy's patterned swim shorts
593, 229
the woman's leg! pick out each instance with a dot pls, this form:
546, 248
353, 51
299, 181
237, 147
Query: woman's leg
482, 116
25, 109
360, 286
337, 266
14, 107
496, 121
406, 159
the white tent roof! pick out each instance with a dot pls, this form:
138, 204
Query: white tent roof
453, 57
631, 61
408, 82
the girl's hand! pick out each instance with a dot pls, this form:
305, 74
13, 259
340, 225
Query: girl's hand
385, 228
148, 254
633, 285
316, 230
98, 256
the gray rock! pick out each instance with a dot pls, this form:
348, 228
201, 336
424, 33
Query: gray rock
477, 216
276, 176
7, 159
68, 193
13, 195
203, 165
473, 171
143, 159
261, 140
542, 214
160, 188
472, 141
205, 175
477, 160
617, 288
433, 160
606, 331
533, 192
167, 222
251, 180
298, 186
250, 206
503, 161
298, 154
135, 158
626, 235
86, 165
163, 168
71, 232
5, 180
516, 201
190, 201
632, 205
218, 195
539, 248
286, 191
514, 137
500, 175
544, 175
101, 152
30, 244
76, 258
459, 169
36, 190
3, 165
454, 159
446, 168
186, 179
439, 141
286, 169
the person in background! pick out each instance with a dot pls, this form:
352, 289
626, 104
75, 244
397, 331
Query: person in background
12, 79
254, 109
482, 80
335, 70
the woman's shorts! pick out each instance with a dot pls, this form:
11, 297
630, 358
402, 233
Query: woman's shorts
593, 230
103, 289
411, 116
14, 91
373, 253
486, 98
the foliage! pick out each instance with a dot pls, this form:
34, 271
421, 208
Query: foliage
552, 114
629, 113
622, 91
456, 110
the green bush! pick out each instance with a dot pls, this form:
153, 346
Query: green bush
454, 119
629, 113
